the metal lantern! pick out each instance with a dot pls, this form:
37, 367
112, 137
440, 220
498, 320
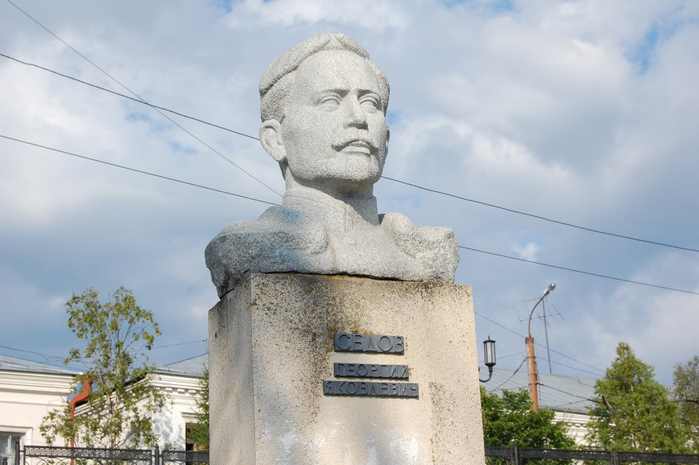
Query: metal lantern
489, 352
488, 357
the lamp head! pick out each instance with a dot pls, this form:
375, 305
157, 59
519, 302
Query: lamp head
489, 353
549, 289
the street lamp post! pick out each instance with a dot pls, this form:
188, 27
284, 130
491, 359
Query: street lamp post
531, 356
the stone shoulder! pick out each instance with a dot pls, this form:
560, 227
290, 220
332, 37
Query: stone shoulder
284, 240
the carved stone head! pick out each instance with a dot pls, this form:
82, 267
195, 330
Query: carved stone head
323, 108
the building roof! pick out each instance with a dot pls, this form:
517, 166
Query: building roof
191, 367
556, 392
8, 363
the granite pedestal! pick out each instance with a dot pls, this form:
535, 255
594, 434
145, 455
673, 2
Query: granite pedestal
275, 394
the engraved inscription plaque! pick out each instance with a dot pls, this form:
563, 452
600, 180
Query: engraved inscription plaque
369, 389
369, 343
370, 370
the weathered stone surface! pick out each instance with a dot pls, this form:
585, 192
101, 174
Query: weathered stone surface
271, 347
331, 237
323, 106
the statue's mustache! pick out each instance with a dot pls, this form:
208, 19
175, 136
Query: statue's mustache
357, 140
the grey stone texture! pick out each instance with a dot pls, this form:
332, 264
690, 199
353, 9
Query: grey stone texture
271, 347
323, 107
316, 233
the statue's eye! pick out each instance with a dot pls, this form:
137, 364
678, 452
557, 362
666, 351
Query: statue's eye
330, 101
371, 101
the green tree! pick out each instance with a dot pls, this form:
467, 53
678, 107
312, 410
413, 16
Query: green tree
510, 419
199, 432
632, 411
119, 411
686, 394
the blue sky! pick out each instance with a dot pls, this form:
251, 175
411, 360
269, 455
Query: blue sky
581, 111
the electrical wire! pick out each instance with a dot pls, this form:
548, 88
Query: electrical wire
179, 344
270, 203
501, 357
47, 359
589, 273
144, 102
131, 98
513, 375
536, 343
571, 358
543, 218
136, 170
33, 352
583, 399
564, 365
435, 191
563, 407
567, 393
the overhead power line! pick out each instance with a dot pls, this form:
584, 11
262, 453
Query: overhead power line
568, 393
427, 189
271, 203
128, 97
540, 345
543, 218
32, 352
580, 271
180, 344
136, 170
563, 365
512, 376
140, 99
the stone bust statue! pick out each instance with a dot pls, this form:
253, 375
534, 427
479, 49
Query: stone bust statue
323, 109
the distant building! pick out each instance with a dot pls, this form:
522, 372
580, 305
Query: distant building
28, 391
568, 396
180, 381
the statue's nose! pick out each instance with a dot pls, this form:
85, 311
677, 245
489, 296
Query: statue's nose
355, 116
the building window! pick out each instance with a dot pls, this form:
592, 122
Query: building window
193, 437
8, 447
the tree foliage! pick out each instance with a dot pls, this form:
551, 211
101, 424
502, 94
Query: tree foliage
510, 419
632, 410
686, 394
119, 411
199, 431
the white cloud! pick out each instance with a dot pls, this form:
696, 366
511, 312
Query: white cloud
529, 251
543, 108
364, 13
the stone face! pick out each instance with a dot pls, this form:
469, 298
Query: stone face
323, 106
272, 355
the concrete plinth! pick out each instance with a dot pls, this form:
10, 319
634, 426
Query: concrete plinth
271, 347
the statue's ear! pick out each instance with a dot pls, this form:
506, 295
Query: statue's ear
270, 137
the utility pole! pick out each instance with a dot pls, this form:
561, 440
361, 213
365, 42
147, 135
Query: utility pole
531, 356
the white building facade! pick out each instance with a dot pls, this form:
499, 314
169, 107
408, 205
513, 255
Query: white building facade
28, 392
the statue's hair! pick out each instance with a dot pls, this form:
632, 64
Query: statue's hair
278, 79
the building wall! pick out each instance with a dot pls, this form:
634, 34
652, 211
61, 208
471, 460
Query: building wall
26, 397
180, 408
577, 426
